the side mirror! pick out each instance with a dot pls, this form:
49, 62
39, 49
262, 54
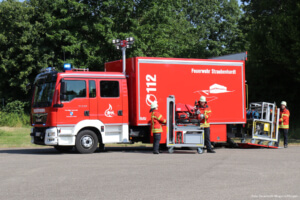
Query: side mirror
63, 90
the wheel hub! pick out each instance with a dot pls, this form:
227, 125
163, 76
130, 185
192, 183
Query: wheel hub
87, 141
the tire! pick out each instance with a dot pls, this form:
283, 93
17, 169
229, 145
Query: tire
86, 142
63, 149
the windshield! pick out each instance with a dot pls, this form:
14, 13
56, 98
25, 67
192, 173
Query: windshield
43, 94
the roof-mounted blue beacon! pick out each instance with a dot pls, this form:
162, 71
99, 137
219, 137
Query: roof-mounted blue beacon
67, 66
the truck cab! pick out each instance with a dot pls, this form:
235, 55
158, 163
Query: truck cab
79, 108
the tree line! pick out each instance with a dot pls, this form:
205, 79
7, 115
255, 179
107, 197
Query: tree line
35, 34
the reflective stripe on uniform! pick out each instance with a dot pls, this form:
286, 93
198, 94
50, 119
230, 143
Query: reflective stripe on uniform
204, 125
157, 130
284, 126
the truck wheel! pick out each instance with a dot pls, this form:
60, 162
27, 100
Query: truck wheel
63, 149
86, 141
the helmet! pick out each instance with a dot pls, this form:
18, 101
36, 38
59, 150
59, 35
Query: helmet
154, 105
202, 99
283, 103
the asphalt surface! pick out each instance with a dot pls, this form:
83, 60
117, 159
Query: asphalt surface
135, 173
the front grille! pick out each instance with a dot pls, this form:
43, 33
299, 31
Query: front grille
39, 118
39, 135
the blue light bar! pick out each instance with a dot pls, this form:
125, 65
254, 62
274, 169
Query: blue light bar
67, 66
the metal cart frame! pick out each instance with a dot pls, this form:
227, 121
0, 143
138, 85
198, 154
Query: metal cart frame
193, 135
267, 118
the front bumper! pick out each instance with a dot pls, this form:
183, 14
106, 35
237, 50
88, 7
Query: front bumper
44, 136
53, 136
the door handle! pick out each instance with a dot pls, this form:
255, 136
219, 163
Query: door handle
120, 112
86, 113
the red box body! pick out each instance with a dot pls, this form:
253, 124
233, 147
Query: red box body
221, 81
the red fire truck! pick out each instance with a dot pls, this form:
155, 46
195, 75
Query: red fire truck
83, 109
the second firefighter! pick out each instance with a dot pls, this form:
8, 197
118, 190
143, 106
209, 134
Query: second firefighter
157, 120
205, 113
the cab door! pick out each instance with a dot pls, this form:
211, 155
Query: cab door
75, 103
110, 103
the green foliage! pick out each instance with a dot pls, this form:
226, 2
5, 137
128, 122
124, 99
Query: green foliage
39, 33
15, 107
217, 28
273, 74
13, 114
14, 119
18, 49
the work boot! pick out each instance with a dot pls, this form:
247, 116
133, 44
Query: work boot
210, 151
285, 146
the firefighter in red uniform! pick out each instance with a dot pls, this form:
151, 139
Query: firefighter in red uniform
283, 124
156, 125
205, 113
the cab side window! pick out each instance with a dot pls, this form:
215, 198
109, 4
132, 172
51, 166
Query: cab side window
92, 89
109, 89
75, 89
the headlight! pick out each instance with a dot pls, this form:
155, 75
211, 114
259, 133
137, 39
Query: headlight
51, 134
